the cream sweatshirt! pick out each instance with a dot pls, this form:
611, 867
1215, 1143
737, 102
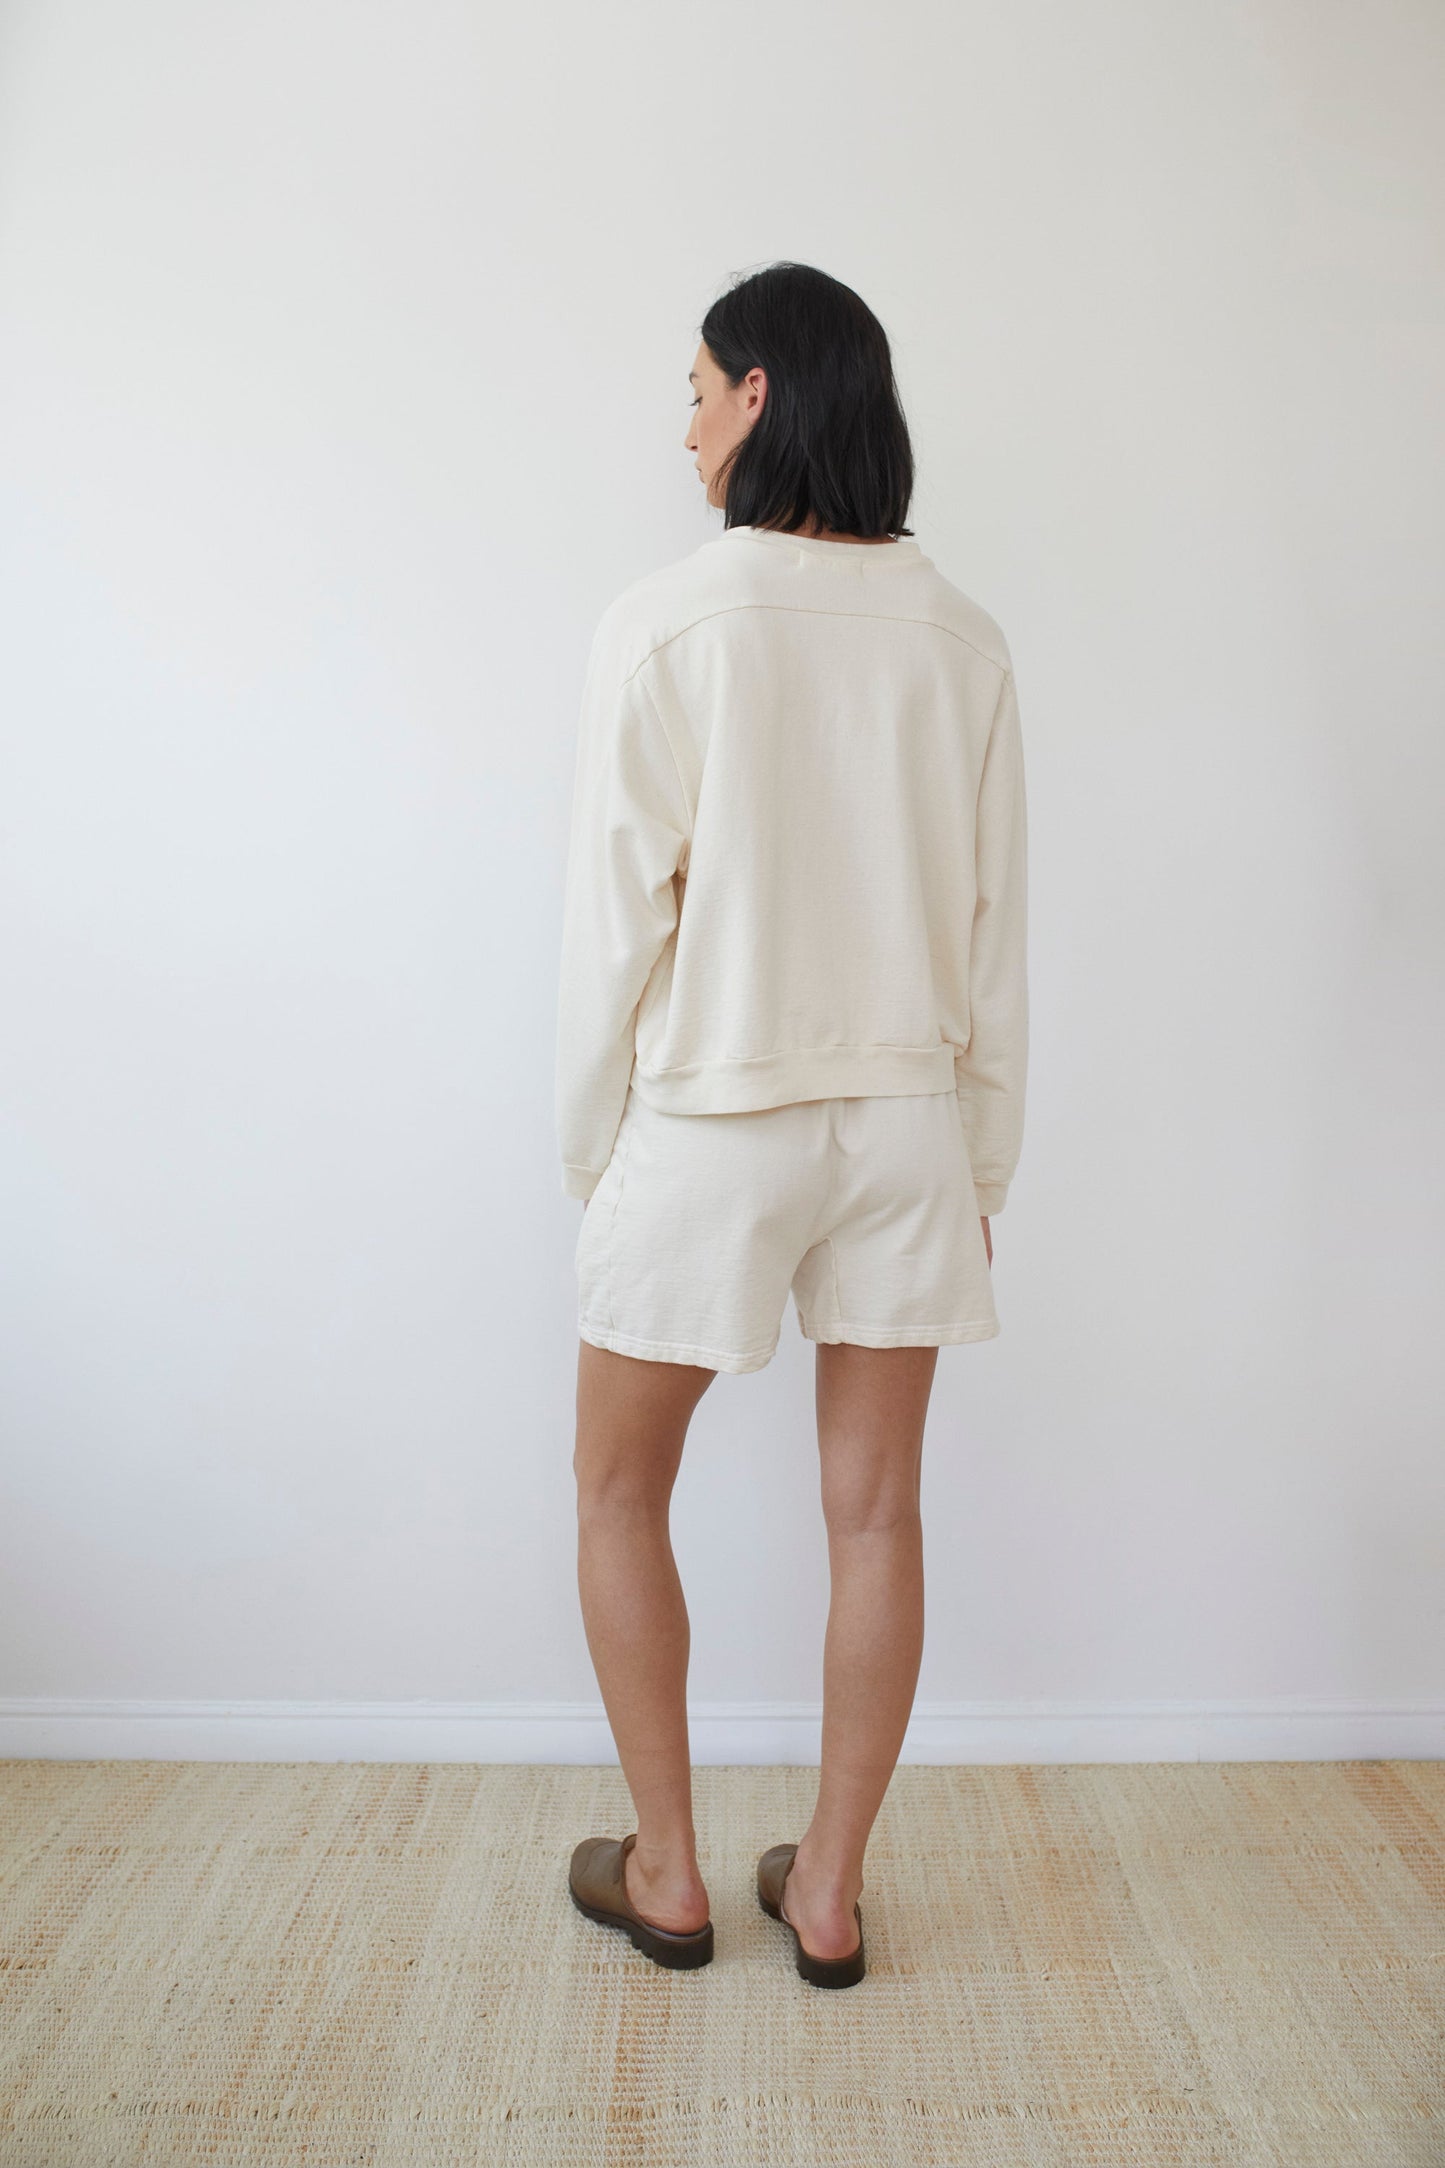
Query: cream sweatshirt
797, 863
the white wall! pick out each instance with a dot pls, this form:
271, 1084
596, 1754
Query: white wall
344, 382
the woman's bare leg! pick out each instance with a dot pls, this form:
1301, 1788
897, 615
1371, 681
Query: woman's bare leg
632, 1419
872, 1406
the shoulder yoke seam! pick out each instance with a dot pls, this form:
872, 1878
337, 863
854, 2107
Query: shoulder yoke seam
892, 617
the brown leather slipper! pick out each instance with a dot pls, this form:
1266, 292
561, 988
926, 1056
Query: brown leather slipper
598, 1889
819, 1971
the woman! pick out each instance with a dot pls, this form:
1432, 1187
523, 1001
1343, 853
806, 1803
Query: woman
792, 1037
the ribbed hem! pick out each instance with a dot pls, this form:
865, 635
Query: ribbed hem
817, 1072
580, 1181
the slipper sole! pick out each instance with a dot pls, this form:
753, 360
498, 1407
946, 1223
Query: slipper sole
680, 1951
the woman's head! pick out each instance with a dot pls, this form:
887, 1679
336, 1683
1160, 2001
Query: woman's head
797, 420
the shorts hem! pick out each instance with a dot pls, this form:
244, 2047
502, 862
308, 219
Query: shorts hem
670, 1351
980, 1328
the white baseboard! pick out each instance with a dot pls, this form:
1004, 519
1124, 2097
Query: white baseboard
722, 1733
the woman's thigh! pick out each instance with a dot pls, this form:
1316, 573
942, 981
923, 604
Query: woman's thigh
632, 1418
872, 1406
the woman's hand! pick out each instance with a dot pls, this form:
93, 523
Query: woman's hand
987, 1237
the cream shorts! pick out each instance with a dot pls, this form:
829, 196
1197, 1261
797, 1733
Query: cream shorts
865, 1208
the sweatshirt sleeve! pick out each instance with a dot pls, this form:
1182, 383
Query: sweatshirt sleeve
629, 832
990, 1071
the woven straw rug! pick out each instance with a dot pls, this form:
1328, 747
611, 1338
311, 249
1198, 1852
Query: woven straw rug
337, 1964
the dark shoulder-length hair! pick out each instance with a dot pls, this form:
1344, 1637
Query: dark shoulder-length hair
831, 442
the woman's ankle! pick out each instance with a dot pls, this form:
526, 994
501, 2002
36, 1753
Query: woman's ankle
669, 1860
827, 1881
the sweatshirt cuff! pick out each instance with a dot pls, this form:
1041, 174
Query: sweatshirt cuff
580, 1181
990, 1197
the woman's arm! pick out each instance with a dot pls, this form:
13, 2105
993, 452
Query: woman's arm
629, 831
990, 1071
